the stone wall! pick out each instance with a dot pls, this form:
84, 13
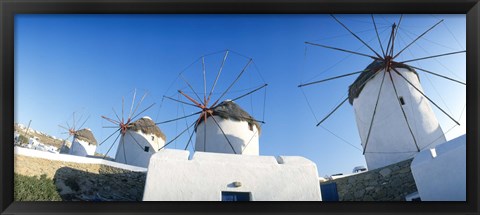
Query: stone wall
390, 183
83, 181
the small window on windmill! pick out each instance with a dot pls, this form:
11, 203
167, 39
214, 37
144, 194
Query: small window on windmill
153, 138
250, 126
147, 148
401, 100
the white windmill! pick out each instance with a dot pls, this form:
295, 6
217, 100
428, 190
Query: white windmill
139, 139
394, 118
83, 142
241, 129
222, 126
226, 165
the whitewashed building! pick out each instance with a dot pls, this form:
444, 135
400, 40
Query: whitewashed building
33, 142
84, 143
403, 125
440, 173
16, 137
142, 139
216, 176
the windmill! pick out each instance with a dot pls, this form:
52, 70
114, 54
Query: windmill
393, 114
222, 125
139, 138
83, 142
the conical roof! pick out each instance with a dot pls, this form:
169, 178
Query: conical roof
356, 87
147, 126
86, 135
230, 110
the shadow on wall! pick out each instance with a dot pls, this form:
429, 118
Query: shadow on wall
77, 149
237, 144
110, 184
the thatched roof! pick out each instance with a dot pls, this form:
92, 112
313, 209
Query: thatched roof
230, 110
147, 126
356, 88
86, 135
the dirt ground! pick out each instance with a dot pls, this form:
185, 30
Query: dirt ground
30, 166
85, 182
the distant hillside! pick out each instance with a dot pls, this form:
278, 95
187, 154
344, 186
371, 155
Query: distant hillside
42, 137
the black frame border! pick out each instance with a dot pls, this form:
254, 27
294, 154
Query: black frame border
8, 9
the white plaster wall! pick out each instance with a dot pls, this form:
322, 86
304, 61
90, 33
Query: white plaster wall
390, 139
442, 177
82, 148
16, 136
135, 153
172, 177
65, 148
243, 140
33, 142
74, 159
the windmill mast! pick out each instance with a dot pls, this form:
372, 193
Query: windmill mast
28, 127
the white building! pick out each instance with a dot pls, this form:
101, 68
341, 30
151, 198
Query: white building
33, 142
240, 131
216, 176
16, 137
225, 174
84, 143
403, 125
65, 148
142, 139
440, 173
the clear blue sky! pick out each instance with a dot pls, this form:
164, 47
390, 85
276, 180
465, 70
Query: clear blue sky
87, 63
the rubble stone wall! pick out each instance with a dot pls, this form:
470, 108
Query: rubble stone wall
390, 183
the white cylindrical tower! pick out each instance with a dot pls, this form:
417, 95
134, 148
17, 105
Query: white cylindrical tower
84, 143
140, 141
65, 148
403, 122
236, 133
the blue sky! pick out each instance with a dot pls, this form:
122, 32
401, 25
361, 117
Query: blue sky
87, 63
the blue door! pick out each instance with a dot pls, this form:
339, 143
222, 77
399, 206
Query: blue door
235, 196
329, 192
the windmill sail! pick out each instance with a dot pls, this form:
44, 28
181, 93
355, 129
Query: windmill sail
221, 125
83, 142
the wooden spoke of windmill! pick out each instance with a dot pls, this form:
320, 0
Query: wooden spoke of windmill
388, 56
204, 104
